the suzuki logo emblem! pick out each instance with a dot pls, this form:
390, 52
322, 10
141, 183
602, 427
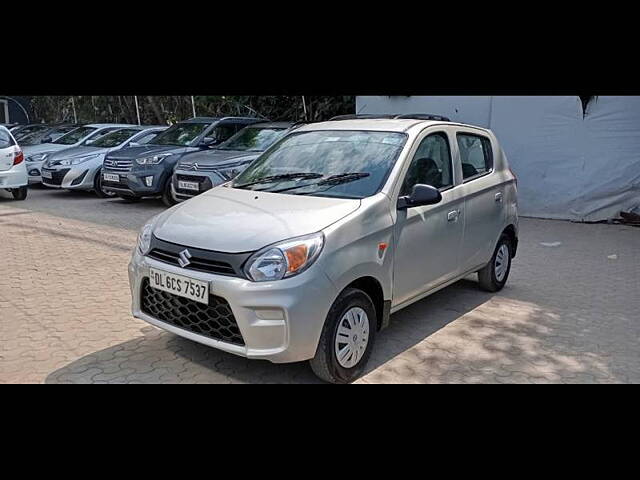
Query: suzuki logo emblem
184, 258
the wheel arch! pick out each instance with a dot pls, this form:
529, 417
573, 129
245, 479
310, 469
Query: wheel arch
372, 287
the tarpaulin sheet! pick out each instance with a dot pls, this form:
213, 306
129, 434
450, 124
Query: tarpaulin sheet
569, 166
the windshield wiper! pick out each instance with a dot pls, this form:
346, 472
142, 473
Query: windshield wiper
332, 181
283, 177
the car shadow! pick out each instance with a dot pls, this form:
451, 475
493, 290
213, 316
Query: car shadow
161, 357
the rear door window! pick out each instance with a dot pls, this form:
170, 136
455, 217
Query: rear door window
476, 155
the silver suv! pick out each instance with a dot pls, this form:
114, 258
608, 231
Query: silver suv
308, 251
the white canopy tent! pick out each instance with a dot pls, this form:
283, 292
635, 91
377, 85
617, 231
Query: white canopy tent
570, 164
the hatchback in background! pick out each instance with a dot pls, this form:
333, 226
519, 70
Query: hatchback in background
200, 171
138, 172
79, 168
13, 172
306, 253
35, 155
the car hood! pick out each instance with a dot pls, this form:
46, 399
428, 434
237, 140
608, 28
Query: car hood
76, 152
234, 221
132, 153
213, 157
43, 148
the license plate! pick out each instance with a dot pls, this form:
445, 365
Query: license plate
179, 285
111, 177
46, 174
189, 185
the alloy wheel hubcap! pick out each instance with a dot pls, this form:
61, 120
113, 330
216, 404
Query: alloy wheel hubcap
502, 262
352, 337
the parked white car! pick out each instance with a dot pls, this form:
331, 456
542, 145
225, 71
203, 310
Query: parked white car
35, 155
13, 171
309, 250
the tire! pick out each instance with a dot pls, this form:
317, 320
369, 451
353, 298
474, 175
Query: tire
129, 199
97, 187
495, 274
167, 195
20, 193
326, 364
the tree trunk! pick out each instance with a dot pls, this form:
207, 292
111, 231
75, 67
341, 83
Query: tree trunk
156, 110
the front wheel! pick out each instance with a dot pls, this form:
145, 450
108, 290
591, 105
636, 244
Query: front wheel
20, 193
494, 275
99, 189
347, 338
167, 195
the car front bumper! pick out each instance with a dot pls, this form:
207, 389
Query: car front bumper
279, 321
205, 180
34, 170
134, 183
79, 177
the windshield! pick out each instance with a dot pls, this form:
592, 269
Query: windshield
181, 134
116, 138
74, 136
24, 132
253, 139
346, 164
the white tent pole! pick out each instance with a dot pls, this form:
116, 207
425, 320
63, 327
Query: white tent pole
137, 109
193, 106
73, 105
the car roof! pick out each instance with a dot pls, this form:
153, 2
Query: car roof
272, 125
110, 125
379, 124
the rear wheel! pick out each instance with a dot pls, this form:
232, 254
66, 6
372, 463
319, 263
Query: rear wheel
347, 338
98, 187
167, 195
20, 193
494, 275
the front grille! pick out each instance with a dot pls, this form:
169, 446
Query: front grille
190, 178
198, 168
117, 165
215, 320
57, 177
207, 261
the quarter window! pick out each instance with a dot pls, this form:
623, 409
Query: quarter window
5, 139
476, 155
431, 164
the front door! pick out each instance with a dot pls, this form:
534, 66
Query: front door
428, 238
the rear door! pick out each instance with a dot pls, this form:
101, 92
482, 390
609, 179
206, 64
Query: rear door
484, 197
7, 150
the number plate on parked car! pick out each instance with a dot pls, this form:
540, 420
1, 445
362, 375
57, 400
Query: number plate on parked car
189, 185
46, 174
179, 285
111, 177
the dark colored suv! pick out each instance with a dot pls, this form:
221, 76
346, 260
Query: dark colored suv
145, 171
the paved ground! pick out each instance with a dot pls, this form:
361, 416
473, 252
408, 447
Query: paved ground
570, 313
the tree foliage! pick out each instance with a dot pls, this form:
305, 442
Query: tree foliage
171, 109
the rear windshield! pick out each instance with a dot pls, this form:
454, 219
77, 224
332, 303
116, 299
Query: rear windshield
75, 136
5, 139
253, 139
116, 138
180, 134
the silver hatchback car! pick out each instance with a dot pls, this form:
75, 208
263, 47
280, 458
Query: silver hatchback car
307, 252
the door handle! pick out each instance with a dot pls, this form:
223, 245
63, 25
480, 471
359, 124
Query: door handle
453, 216
499, 197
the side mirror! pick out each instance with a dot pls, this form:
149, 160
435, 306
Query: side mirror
209, 142
46, 140
420, 195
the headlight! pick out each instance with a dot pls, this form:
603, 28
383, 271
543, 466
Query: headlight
154, 160
38, 157
77, 161
144, 239
232, 171
285, 259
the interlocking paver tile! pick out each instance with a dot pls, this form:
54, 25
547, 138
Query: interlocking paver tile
568, 314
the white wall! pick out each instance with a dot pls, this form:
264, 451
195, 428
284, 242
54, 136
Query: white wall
568, 167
